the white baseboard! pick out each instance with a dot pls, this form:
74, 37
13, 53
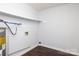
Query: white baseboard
19, 53
63, 50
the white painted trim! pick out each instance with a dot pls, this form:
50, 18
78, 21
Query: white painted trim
0, 52
60, 49
19, 53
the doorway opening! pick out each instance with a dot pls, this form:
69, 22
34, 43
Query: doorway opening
3, 41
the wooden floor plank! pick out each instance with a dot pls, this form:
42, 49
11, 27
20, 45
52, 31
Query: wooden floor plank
44, 51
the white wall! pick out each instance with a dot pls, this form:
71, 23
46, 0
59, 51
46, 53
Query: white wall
18, 9
60, 27
20, 41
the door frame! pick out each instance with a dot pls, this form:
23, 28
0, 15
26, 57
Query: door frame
4, 28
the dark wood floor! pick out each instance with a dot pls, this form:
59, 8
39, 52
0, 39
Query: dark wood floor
44, 51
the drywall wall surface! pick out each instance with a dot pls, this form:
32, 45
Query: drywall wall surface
60, 27
18, 9
20, 40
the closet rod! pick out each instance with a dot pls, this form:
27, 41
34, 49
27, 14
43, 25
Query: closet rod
10, 22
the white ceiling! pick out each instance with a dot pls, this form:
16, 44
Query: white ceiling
42, 6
